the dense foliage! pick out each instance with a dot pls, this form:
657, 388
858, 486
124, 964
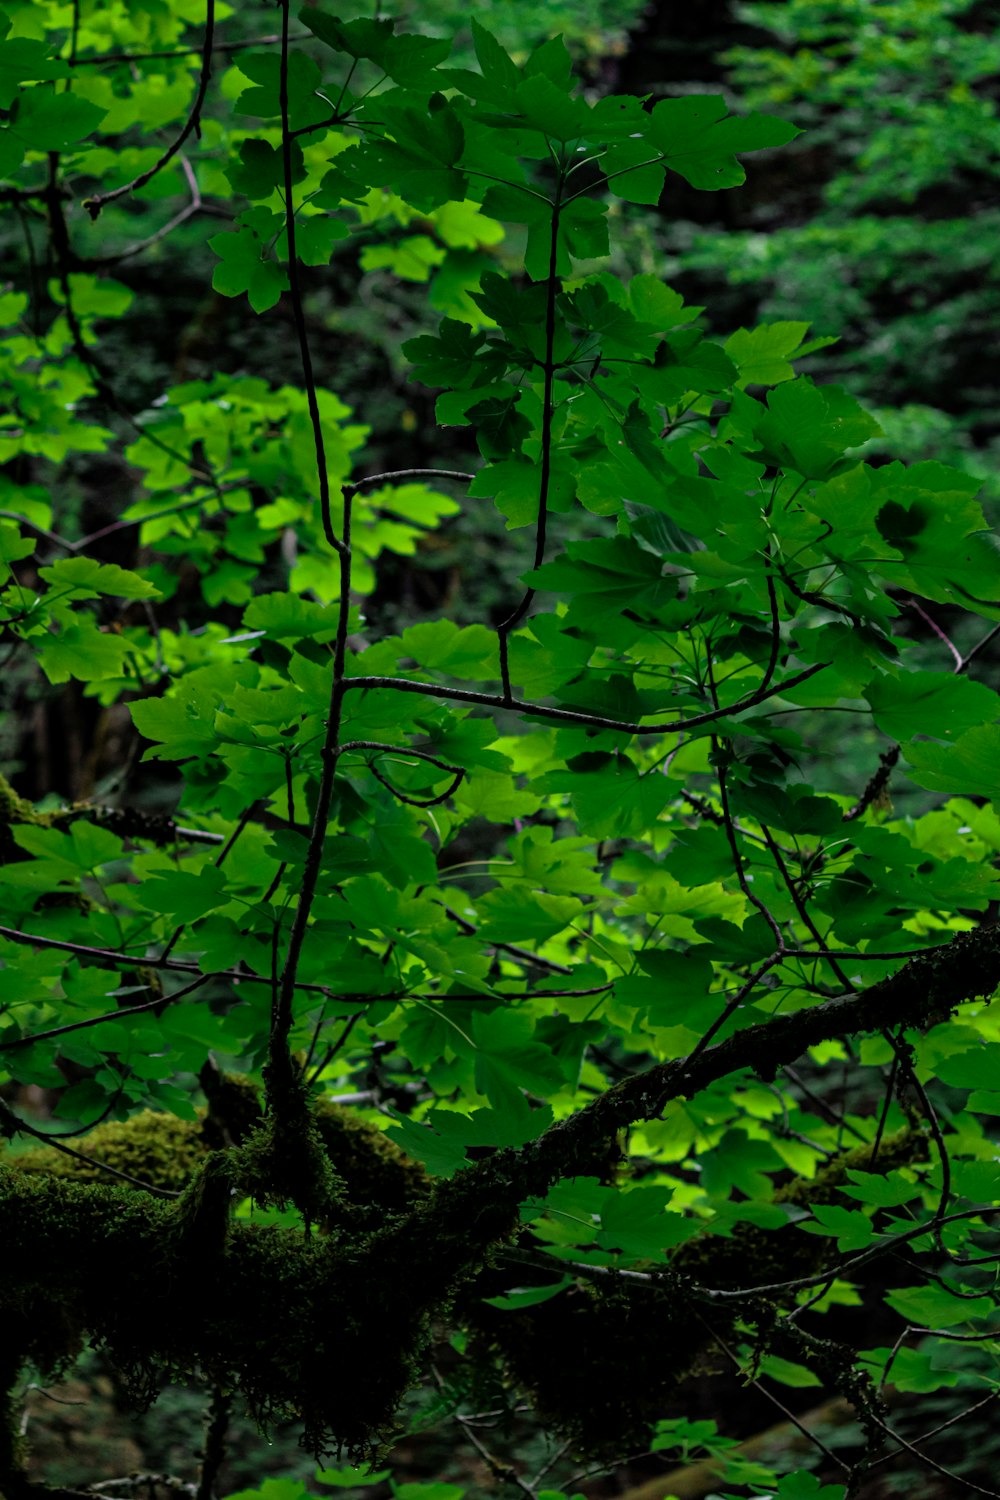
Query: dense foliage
519, 1005
882, 227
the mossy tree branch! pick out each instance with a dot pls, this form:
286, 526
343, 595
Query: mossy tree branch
167, 1286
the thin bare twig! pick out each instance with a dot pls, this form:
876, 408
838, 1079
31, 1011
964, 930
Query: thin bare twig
187, 212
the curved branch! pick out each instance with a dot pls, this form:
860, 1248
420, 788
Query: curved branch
357, 484
457, 773
573, 716
922, 993
189, 209
95, 204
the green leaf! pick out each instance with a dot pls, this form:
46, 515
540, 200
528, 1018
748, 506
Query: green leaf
305, 106
83, 848
742, 1162
635, 171
496, 66
443, 1141
978, 1180
350, 1477
930, 703
420, 1491
635, 1222
488, 794
23, 60
185, 895
552, 60
763, 355
969, 760
42, 120
501, 428
290, 617
611, 797
810, 429
911, 1370
82, 650
316, 237
274, 1489
411, 259
937, 1307
795, 811
699, 141
441, 645
516, 915
13, 546
456, 358
528, 1296
547, 106
606, 576
407, 59
889, 1191
514, 487
260, 169
974, 1069
805, 1486
852, 1229
785, 1372
658, 305
184, 723
85, 578
395, 848
243, 267
508, 1057
422, 155
672, 990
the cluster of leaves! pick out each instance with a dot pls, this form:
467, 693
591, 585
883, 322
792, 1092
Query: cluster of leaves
888, 239
669, 906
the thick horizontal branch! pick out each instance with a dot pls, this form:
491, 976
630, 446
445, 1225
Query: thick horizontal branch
922, 993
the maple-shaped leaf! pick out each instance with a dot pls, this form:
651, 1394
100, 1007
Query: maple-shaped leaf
700, 141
